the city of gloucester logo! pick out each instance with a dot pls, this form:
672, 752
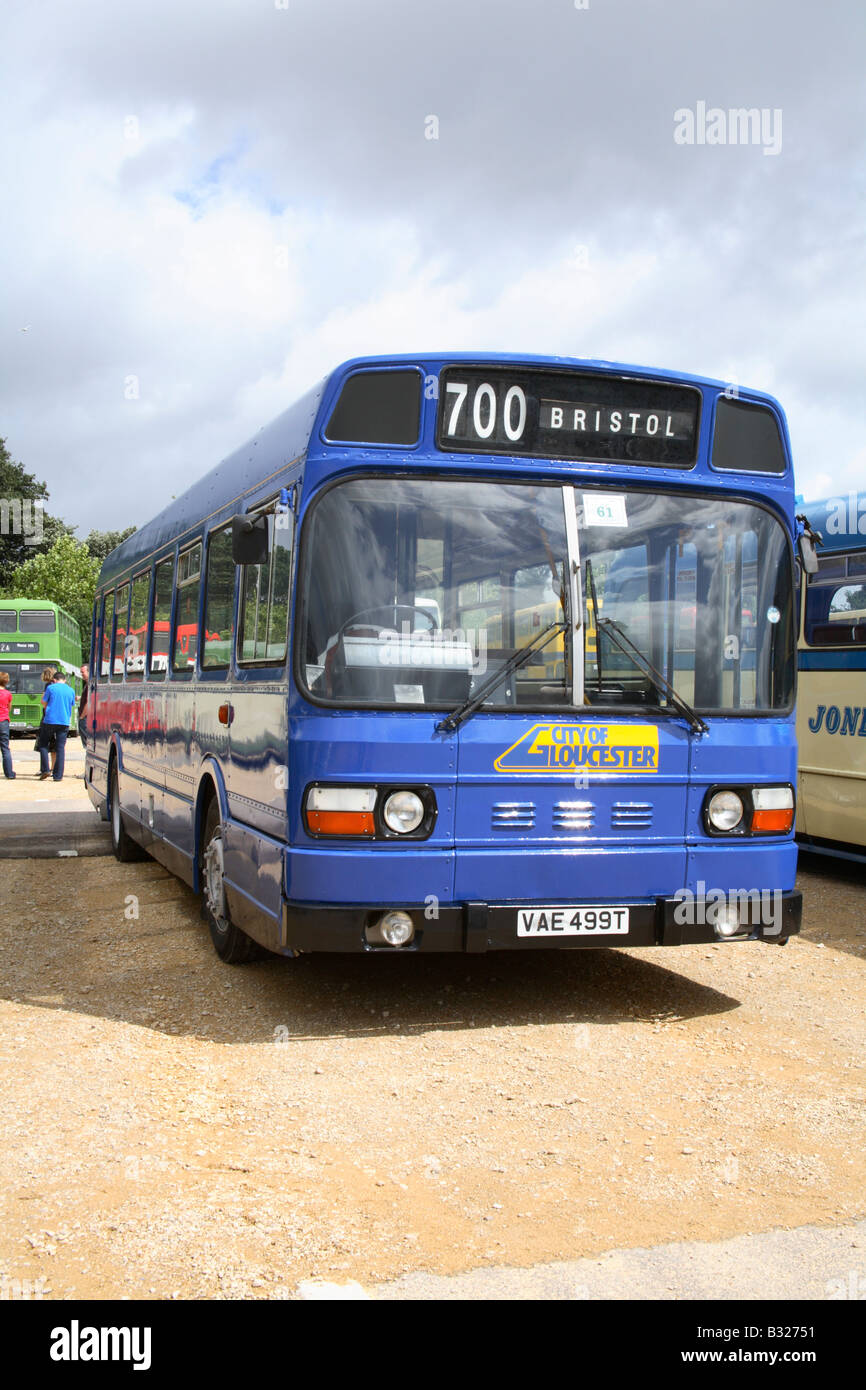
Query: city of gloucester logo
593, 747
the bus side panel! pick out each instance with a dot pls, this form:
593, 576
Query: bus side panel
212, 736
256, 773
101, 713
133, 764
131, 767
176, 824
152, 790
831, 732
171, 858
254, 882
835, 807
390, 750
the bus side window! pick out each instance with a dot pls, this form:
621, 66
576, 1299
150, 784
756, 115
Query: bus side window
94, 639
185, 645
264, 616
107, 633
219, 601
120, 629
163, 589
836, 615
136, 641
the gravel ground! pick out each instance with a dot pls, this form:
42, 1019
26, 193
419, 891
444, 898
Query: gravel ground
173, 1127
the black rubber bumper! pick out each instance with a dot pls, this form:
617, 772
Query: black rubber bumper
478, 927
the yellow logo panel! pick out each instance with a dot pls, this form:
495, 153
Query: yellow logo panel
583, 747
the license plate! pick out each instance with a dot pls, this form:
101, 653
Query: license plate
554, 921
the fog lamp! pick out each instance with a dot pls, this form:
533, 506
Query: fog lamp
726, 922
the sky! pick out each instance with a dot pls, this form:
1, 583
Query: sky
208, 204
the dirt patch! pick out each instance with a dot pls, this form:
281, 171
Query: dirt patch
177, 1127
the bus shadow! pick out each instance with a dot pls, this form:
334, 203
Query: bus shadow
369, 997
834, 897
171, 982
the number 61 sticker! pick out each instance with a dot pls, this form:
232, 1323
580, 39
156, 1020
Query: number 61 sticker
604, 509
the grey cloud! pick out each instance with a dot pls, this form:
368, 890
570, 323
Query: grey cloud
555, 131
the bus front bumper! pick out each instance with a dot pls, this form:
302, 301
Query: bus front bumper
478, 927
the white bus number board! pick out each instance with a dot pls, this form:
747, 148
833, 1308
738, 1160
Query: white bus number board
567, 415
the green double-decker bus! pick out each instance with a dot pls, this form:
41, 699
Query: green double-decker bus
35, 634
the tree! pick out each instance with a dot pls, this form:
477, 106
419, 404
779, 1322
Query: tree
65, 574
26, 529
851, 599
101, 543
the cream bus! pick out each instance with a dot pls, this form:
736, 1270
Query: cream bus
831, 701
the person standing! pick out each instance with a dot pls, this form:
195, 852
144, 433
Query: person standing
82, 704
59, 701
44, 739
5, 706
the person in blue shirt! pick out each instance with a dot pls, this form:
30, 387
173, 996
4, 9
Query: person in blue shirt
58, 702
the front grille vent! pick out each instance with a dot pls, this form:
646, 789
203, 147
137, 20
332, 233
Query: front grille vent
513, 815
573, 815
631, 815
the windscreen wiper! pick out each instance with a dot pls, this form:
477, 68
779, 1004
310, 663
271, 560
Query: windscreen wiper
625, 644
474, 702
590, 584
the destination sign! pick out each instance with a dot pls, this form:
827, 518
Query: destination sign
19, 647
580, 415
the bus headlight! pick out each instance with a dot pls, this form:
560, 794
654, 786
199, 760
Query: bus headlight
745, 811
403, 812
725, 810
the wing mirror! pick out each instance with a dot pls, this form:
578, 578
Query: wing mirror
250, 540
807, 545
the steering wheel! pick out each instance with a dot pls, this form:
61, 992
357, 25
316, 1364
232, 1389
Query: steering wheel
391, 610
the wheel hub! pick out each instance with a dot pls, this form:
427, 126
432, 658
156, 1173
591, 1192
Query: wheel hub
214, 886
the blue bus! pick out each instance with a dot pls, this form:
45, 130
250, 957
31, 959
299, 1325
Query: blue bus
466, 652
831, 708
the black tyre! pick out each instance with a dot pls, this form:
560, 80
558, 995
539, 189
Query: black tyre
125, 848
230, 943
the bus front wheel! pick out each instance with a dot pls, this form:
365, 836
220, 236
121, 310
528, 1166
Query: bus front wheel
230, 943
